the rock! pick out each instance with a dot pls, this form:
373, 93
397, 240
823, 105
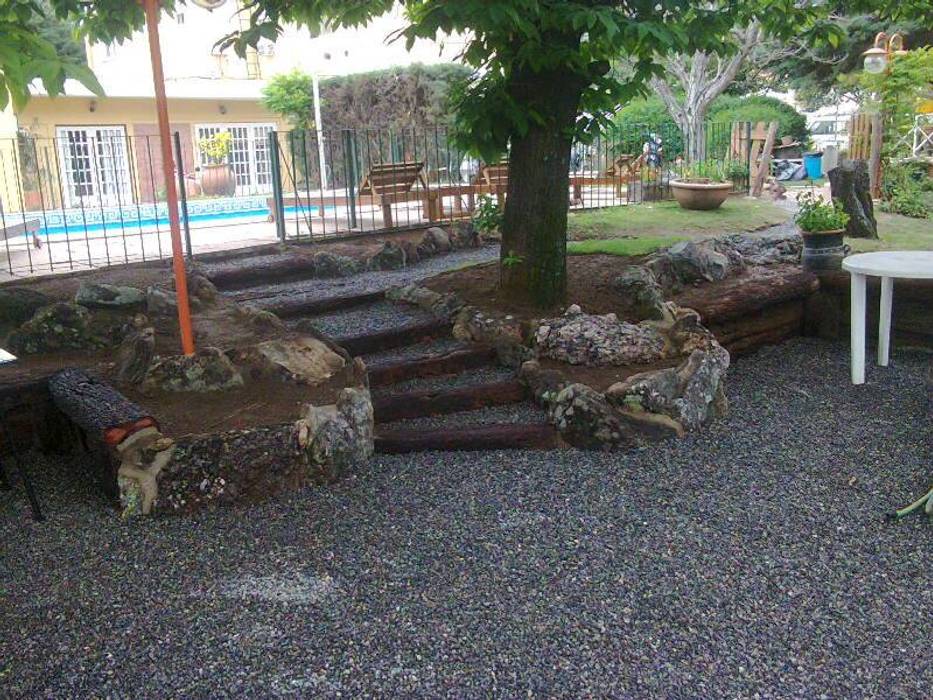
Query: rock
160, 302
544, 384
586, 419
598, 341
662, 267
305, 360
332, 265
764, 248
134, 356
107, 296
201, 288
642, 292
143, 456
463, 234
338, 438
391, 257
209, 369
19, 304
471, 324
434, 241
690, 393
411, 251
441, 305
59, 326
698, 261
261, 320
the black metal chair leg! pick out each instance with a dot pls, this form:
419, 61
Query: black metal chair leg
30, 493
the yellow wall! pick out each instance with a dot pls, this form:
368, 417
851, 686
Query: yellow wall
42, 115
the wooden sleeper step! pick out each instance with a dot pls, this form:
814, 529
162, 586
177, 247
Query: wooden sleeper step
417, 404
452, 362
409, 334
500, 436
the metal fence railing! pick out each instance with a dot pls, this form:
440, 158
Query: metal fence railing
95, 196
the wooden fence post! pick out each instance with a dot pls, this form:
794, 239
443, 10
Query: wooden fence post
764, 168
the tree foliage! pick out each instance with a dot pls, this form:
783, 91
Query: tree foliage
27, 53
400, 97
291, 95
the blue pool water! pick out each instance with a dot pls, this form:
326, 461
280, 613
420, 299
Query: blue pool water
139, 225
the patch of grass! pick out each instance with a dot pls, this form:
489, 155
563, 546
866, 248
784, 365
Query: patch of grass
668, 220
622, 246
897, 232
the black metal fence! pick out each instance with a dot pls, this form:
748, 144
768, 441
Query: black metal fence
95, 196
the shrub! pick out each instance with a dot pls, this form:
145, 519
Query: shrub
488, 216
815, 215
633, 123
906, 190
759, 108
291, 95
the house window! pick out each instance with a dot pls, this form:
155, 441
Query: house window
249, 154
95, 167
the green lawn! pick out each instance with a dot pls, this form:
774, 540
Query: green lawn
622, 246
667, 222
897, 233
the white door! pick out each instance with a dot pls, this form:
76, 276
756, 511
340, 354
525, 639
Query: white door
249, 154
95, 165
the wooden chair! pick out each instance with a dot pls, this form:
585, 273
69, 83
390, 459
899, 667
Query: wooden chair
493, 178
390, 183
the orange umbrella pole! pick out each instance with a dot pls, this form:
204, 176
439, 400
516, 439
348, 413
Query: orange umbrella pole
168, 173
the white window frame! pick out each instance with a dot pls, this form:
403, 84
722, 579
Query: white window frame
107, 177
257, 179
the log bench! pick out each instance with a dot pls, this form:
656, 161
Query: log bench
103, 419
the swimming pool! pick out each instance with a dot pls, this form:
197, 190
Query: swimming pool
148, 217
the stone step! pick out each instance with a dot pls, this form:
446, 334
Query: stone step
294, 307
432, 366
415, 404
399, 336
500, 436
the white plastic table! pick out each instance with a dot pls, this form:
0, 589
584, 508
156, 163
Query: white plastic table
888, 265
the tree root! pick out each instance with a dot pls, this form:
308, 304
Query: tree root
925, 502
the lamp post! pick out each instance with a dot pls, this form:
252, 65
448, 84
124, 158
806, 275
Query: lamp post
877, 61
151, 8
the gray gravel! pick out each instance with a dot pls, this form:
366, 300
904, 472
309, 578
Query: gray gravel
751, 560
525, 412
371, 318
472, 377
265, 296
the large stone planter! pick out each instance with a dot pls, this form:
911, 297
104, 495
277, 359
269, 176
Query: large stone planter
700, 193
823, 251
217, 180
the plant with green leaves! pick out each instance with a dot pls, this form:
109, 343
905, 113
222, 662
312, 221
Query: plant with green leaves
815, 215
907, 190
216, 148
292, 96
487, 217
712, 170
27, 54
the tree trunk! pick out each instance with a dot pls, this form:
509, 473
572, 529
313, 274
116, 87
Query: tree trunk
693, 127
851, 185
534, 231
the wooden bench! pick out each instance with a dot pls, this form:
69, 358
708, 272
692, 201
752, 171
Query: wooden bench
625, 168
390, 183
492, 178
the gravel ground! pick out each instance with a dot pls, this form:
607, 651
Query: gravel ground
472, 377
378, 316
525, 412
436, 346
750, 560
264, 296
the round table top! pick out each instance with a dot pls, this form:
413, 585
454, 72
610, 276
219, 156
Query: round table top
907, 264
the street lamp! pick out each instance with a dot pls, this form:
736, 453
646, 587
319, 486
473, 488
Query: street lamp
878, 57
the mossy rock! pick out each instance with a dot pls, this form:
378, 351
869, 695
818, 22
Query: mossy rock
59, 326
19, 304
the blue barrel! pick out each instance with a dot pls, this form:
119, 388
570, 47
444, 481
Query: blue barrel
813, 164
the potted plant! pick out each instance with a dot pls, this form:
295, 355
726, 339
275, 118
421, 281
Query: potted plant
703, 186
822, 225
216, 174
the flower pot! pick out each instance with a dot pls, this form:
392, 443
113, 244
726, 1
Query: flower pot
217, 180
700, 193
823, 251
